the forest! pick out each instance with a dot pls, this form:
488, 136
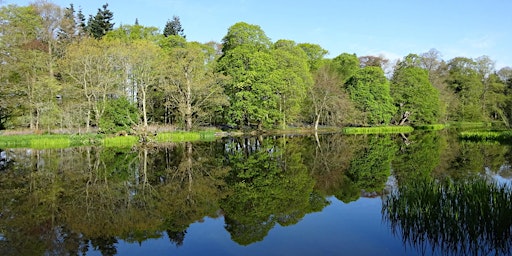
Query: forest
63, 71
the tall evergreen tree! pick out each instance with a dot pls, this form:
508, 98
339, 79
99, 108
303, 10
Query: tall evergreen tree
173, 27
99, 25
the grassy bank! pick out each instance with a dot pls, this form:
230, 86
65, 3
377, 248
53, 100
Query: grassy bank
377, 130
49, 141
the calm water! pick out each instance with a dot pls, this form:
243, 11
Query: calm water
282, 195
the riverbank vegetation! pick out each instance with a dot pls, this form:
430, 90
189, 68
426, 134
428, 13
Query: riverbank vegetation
61, 71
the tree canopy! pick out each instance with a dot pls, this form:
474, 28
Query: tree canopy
62, 71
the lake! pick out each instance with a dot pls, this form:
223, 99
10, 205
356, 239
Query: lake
424, 193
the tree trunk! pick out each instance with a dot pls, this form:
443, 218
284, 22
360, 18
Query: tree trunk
317, 121
144, 110
404, 117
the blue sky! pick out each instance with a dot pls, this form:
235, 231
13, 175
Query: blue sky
394, 28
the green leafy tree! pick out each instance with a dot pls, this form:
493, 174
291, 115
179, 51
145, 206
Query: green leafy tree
371, 165
464, 80
119, 115
417, 100
294, 79
251, 88
93, 68
101, 23
346, 65
315, 54
27, 64
244, 34
370, 91
191, 84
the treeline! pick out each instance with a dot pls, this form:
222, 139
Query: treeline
59, 70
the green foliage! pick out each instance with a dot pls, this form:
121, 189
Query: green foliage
131, 33
370, 91
315, 55
251, 87
243, 33
418, 156
346, 65
371, 166
119, 115
173, 27
464, 81
270, 186
101, 23
413, 93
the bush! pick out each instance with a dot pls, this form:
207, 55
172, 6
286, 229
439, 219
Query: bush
119, 115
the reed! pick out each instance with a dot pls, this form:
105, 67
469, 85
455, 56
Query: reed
457, 218
377, 130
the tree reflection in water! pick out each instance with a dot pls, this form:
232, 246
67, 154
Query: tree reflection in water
455, 218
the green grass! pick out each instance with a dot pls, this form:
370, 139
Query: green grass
377, 130
49, 141
121, 141
185, 136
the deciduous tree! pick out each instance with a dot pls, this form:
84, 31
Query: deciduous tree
370, 91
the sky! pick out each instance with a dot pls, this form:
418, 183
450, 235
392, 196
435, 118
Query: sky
393, 28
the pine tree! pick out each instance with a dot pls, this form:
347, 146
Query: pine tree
173, 27
99, 25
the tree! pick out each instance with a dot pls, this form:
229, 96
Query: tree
173, 27
93, 68
101, 23
417, 100
28, 82
293, 79
243, 34
251, 88
370, 91
463, 79
346, 65
330, 103
315, 54
192, 86
144, 62
119, 115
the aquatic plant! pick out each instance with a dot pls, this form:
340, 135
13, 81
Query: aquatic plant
456, 218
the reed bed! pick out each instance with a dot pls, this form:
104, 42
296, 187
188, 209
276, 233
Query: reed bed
456, 218
377, 130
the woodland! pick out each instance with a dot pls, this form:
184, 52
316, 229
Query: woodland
61, 70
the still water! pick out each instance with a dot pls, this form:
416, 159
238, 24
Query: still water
417, 194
